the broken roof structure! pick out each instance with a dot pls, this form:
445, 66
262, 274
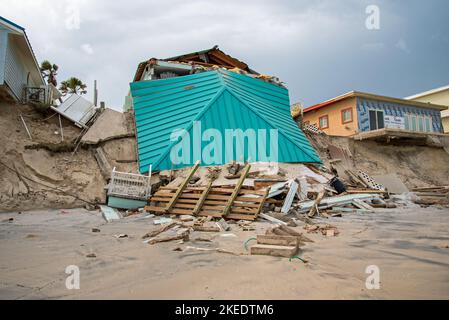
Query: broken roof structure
207, 58
217, 99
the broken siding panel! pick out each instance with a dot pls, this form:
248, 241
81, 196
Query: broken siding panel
394, 109
77, 109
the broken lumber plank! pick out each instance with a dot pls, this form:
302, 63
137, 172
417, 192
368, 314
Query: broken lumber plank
362, 205
288, 232
207, 228
272, 250
26, 127
180, 211
277, 240
216, 190
314, 209
303, 188
272, 219
202, 199
343, 209
355, 178
290, 196
232, 216
259, 209
154, 209
103, 163
182, 186
236, 191
181, 235
351, 191
159, 230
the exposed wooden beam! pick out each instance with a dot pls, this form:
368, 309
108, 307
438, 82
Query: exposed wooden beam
181, 188
236, 191
202, 199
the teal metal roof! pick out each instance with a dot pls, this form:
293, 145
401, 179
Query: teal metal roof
218, 100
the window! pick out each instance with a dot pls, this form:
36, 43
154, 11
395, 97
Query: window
376, 119
418, 123
324, 122
413, 121
429, 124
346, 115
421, 123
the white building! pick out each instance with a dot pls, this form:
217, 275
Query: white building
20, 75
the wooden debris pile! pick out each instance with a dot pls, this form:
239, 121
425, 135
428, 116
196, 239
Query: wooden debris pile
438, 195
326, 230
280, 241
237, 203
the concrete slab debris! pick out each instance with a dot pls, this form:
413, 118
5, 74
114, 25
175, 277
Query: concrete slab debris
392, 183
109, 125
110, 214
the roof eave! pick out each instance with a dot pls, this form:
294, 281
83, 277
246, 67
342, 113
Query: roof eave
374, 97
427, 93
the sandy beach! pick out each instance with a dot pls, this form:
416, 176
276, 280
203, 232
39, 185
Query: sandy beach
410, 247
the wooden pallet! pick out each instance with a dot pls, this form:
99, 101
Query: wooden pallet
231, 203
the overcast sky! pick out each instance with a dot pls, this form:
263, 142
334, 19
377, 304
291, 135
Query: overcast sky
320, 49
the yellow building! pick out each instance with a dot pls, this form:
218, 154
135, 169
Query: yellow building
357, 112
437, 96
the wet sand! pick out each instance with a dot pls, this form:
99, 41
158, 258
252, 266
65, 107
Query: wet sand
410, 247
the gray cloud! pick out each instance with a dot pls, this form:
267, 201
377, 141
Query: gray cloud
319, 48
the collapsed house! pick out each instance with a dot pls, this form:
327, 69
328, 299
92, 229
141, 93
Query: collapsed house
217, 100
198, 109
170, 159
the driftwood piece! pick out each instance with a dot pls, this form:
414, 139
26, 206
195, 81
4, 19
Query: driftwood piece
206, 228
159, 230
314, 208
181, 235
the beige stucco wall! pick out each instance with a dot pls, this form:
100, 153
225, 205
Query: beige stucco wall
333, 111
441, 98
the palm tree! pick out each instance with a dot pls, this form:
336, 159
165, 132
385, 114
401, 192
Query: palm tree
49, 71
72, 85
